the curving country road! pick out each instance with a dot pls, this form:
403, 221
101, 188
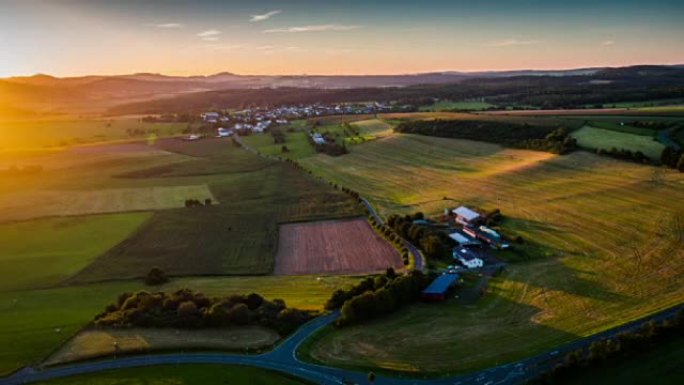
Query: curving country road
284, 359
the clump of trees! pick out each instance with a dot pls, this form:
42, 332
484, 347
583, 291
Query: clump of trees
672, 158
190, 309
156, 276
332, 148
198, 203
557, 141
434, 243
278, 136
624, 154
378, 296
606, 351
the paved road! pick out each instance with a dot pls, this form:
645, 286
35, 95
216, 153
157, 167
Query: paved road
284, 359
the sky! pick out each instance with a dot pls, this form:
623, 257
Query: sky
183, 37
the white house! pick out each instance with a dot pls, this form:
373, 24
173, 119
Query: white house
465, 215
468, 258
224, 132
318, 138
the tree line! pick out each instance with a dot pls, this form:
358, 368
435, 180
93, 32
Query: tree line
541, 138
610, 350
189, 309
624, 154
672, 158
375, 297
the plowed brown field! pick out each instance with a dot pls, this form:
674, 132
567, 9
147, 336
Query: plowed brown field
333, 247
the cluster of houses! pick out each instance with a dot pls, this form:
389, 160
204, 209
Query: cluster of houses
472, 235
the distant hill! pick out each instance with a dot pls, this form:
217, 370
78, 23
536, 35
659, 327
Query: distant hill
96, 94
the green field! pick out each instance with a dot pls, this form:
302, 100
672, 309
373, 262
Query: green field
44, 252
236, 236
610, 236
447, 105
598, 138
297, 144
35, 322
182, 375
60, 133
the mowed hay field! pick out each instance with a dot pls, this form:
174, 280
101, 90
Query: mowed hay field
613, 234
333, 247
599, 138
98, 343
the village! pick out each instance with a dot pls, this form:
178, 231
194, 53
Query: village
260, 119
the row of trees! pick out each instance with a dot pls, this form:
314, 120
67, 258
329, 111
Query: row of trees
672, 158
557, 141
624, 154
607, 351
387, 296
533, 137
377, 296
190, 309
197, 203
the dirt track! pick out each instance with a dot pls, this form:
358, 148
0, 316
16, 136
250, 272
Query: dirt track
333, 247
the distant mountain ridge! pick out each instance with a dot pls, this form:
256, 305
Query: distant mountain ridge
95, 93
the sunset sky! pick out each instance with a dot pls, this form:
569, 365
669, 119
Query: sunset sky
183, 37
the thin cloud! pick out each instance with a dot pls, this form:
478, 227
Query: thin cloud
223, 47
210, 38
264, 47
511, 43
209, 33
169, 25
607, 43
313, 28
265, 16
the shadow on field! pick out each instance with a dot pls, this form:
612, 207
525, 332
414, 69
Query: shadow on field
554, 275
442, 339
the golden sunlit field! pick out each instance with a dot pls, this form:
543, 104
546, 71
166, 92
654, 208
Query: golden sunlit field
613, 233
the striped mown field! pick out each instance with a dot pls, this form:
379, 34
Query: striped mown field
612, 233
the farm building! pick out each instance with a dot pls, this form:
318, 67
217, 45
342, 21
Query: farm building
439, 287
468, 258
464, 240
465, 216
487, 235
210, 117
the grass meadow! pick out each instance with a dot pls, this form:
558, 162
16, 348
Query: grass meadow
598, 138
44, 252
610, 234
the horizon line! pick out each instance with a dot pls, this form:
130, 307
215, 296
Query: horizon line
446, 71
